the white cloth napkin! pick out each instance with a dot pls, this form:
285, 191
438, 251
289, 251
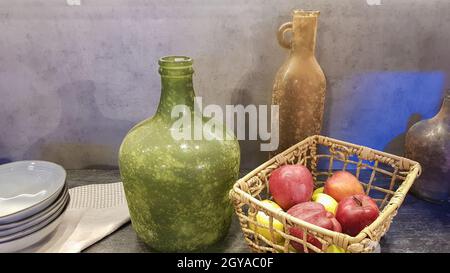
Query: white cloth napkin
94, 211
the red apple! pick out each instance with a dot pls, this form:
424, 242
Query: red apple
336, 225
356, 212
314, 213
290, 185
342, 184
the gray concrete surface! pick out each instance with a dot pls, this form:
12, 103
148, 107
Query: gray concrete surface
74, 79
419, 226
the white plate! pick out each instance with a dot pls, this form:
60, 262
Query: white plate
33, 238
36, 227
27, 187
26, 223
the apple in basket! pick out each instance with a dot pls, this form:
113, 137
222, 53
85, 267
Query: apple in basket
314, 213
342, 184
356, 212
290, 185
264, 222
327, 201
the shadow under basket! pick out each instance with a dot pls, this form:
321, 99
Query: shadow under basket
385, 177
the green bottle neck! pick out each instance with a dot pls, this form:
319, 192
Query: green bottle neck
176, 84
175, 91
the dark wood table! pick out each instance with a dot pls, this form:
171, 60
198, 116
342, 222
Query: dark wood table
418, 227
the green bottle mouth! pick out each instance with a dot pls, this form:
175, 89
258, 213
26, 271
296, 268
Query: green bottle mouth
175, 66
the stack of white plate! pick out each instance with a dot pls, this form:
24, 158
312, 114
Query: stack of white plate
33, 198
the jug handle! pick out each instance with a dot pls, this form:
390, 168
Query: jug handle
281, 32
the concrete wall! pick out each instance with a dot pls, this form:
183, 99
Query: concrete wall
74, 79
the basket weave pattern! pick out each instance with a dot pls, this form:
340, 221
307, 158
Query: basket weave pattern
388, 181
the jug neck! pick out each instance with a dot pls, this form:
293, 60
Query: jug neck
444, 112
304, 26
176, 84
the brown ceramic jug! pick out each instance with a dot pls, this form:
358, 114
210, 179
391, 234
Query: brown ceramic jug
428, 142
299, 88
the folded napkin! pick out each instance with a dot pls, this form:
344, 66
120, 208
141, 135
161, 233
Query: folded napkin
94, 211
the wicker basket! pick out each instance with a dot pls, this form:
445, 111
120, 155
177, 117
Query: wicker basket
387, 180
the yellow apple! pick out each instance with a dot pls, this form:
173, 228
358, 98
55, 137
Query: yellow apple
334, 249
264, 220
327, 201
316, 192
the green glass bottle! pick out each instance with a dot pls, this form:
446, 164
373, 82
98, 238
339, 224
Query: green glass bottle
177, 190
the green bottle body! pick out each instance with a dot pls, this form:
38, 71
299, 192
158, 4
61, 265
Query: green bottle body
177, 189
